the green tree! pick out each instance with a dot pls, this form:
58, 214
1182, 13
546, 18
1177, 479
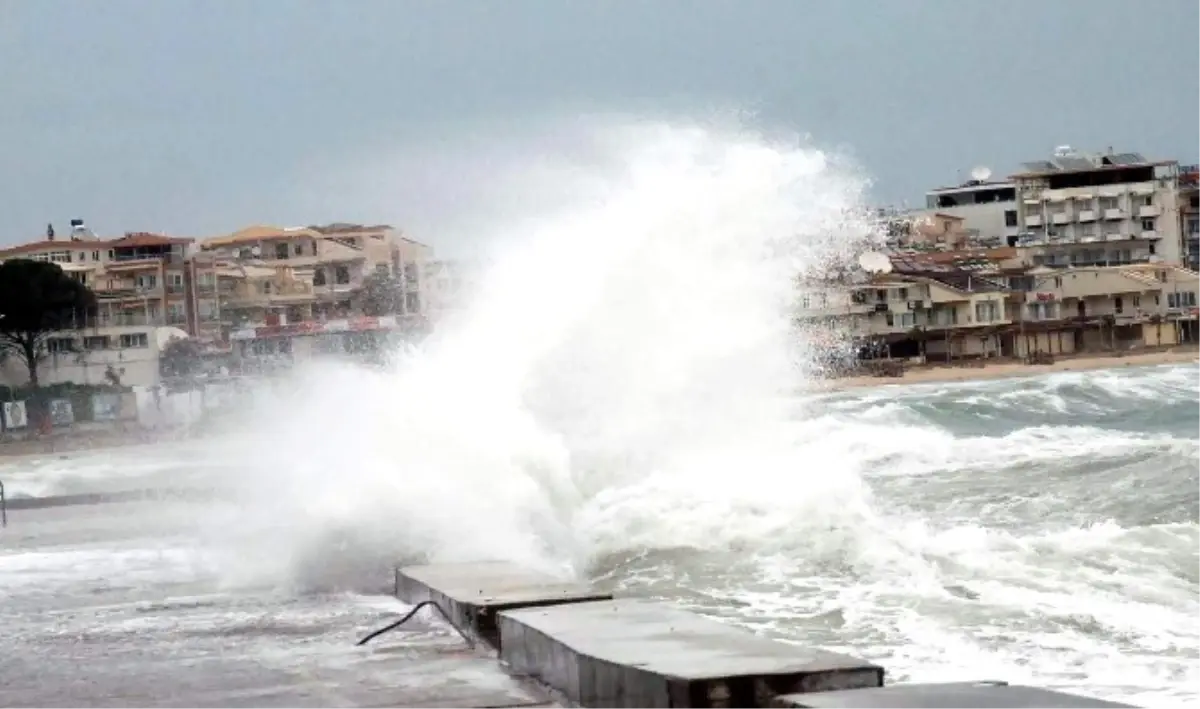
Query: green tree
181, 357
37, 299
382, 295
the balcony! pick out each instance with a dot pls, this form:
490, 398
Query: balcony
1151, 235
1060, 218
250, 294
1114, 213
1116, 236
1149, 210
1087, 215
1033, 220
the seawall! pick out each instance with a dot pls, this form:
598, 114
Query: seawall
585, 647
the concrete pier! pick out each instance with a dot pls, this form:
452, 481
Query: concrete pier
587, 649
976, 695
474, 594
639, 653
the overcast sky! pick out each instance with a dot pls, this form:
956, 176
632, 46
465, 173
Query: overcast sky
197, 117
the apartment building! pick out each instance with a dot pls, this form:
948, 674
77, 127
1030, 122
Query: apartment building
1189, 214
985, 303
939, 312
278, 284
987, 208
271, 275
1107, 209
148, 288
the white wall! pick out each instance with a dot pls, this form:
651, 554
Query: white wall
137, 366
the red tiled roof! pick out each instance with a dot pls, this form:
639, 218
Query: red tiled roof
130, 240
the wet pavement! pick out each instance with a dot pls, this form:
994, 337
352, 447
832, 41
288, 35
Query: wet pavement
111, 604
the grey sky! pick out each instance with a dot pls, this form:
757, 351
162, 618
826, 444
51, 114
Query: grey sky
201, 116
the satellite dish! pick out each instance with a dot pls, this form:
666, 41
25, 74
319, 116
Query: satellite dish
981, 173
875, 262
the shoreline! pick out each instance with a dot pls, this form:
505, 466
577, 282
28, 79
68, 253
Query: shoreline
63, 446
1008, 369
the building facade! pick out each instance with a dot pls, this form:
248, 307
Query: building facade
148, 288
1083, 210
988, 210
1189, 214
288, 293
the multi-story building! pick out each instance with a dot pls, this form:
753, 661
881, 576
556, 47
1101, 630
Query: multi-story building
1189, 214
1107, 209
985, 304
277, 284
988, 209
148, 288
934, 311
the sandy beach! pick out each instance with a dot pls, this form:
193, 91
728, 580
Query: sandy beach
1001, 369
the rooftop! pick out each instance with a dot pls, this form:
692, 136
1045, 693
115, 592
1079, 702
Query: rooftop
1067, 161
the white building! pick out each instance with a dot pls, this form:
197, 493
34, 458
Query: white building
1100, 209
95, 355
988, 209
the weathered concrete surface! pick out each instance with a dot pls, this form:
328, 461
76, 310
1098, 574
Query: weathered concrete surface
957, 695
473, 594
639, 653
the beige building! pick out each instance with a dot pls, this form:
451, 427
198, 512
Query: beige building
1085, 210
282, 276
976, 307
148, 287
955, 315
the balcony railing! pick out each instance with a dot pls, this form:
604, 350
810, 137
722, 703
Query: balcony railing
1115, 213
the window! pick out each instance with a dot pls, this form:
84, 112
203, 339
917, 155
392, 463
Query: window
281, 249
1146, 201
1010, 217
147, 281
1118, 305
60, 345
298, 248
986, 311
1147, 225
175, 313
110, 254
341, 275
134, 340
1058, 281
96, 342
319, 277
95, 255
1109, 203
1182, 299
1137, 301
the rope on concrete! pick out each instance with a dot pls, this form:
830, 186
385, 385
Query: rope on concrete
407, 616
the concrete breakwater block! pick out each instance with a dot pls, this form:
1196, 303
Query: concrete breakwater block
640, 653
956, 695
473, 594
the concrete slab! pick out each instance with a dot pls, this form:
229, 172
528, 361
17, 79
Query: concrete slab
640, 653
961, 695
473, 594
